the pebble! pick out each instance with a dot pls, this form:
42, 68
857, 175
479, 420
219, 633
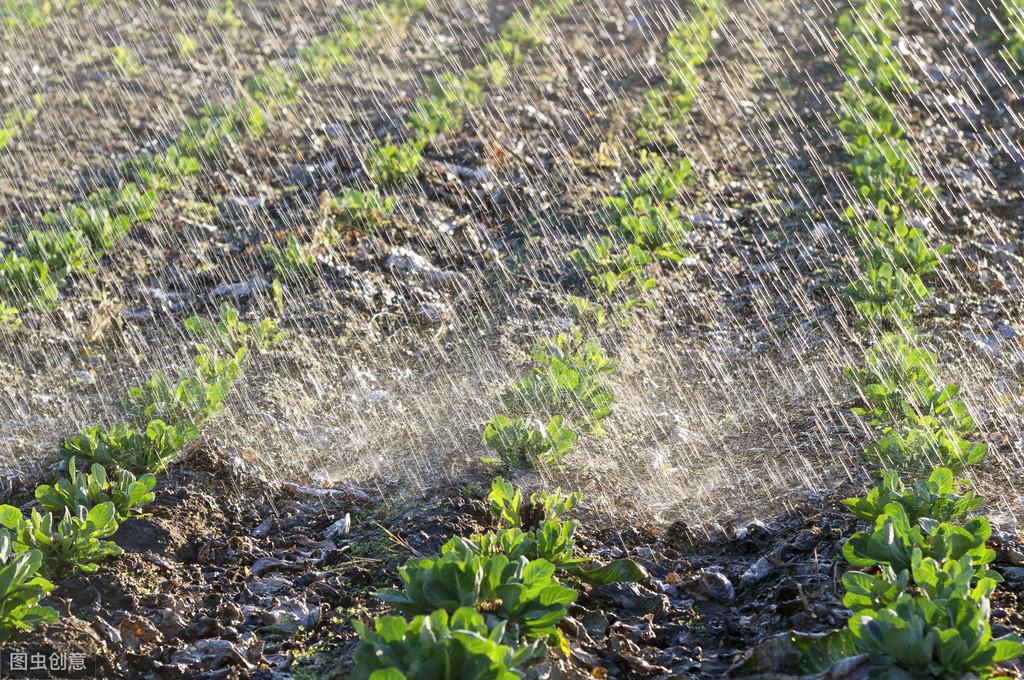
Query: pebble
239, 289
432, 313
340, 527
634, 598
716, 586
757, 572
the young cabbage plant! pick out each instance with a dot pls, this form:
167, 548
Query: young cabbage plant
390, 163
354, 210
507, 505
294, 263
10, 318
921, 638
921, 442
16, 121
522, 592
551, 541
941, 497
893, 541
537, 531
65, 253
571, 379
122, 447
886, 294
519, 446
230, 333
461, 646
21, 589
72, 543
26, 281
86, 490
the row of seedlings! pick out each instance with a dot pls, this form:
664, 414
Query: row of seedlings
920, 586
111, 470
1012, 33
76, 235
166, 413
569, 389
490, 603
388, 163
27, 15
16, 121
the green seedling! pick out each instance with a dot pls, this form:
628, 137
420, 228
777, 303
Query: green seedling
223, 16
230, 333
885, 294
894, 540
21, 589
655, 228
26, 281
940, 497
121, 447
570, 380
520, 592
360, 210
25, 15
125, 61
461, 646
921, 638
273, 85
65, 253
1011, 37
16, 121
293, 263
184, 46
73, 543
517, 445
391, 163
86, 490
10, 318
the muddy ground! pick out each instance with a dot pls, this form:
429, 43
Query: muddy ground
215, 585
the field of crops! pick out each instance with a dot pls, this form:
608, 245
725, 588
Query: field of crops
473, 339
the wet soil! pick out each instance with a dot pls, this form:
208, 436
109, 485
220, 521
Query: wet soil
230, 575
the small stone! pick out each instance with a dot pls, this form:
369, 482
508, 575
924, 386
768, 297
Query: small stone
757, 572
339, 528
596, 624
269, 586
714, 586
137, 631
262, 529
634, 598
237, 290
85, 377
268, 564
405, 261
432, 314
1013, 575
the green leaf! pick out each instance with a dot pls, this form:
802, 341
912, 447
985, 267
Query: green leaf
616, 571
819, 652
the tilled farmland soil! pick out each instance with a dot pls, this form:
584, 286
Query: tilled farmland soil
356, 444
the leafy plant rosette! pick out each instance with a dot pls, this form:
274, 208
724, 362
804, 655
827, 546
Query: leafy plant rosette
442, 646
522, 592
74, 542
87, 490
536, 530
21, 589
